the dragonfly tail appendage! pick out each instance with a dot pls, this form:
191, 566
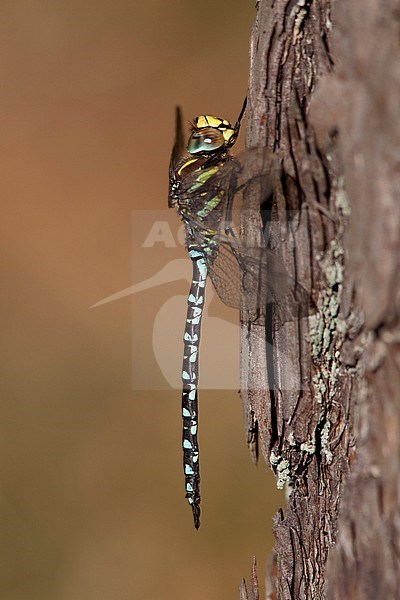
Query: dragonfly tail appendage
190, 372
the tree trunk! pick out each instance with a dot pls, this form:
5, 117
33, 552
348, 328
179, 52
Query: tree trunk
325, 97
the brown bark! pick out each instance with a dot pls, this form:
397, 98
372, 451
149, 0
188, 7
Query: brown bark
324, 96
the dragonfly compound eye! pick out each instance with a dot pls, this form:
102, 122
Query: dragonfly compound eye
206, 139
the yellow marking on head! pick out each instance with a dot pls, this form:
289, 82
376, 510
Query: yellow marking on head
186, 164
201, 121
228, 133
213, 121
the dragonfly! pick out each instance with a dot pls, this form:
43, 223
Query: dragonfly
207, 187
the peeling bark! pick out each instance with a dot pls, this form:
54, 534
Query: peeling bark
251, 593
324, 96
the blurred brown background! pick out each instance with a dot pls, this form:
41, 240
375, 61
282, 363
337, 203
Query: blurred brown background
91, 496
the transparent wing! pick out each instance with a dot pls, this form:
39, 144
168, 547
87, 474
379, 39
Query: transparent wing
244, 272
252, 278
177, 150
179, 144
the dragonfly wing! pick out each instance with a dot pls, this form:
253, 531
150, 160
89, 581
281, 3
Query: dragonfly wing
258, 164
179, 144
178, 151
253, 278
245, 273
225, 275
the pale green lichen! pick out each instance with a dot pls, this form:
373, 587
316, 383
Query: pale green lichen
326, 334
334, 271
273, 458
333, 306
342, 200
327, 337
333, 371
283, 473
325, 450
320, 387
323, 326
308, 447
316, 330
330, 274
282, 469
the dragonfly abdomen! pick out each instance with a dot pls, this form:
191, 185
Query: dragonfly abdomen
190, 374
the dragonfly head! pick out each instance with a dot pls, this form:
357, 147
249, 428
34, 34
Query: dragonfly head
210, 134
